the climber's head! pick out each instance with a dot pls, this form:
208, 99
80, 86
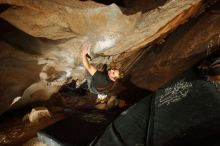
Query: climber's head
115, 74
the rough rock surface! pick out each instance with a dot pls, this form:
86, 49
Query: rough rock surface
63, 26
18, 71
110, 31
34, 142
184, 48
37, 114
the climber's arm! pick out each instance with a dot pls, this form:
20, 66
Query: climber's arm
89, 67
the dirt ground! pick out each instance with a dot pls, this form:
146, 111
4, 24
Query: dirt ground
15, 132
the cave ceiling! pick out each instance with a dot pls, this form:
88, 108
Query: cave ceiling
48, 35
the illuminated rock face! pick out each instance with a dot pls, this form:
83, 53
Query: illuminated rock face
61, 27
109, 30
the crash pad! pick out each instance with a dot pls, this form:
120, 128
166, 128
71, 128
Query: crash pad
185, 111
78, 129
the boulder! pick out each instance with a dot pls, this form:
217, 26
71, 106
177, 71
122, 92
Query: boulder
18, 71
184, 48
37, 114
51, 33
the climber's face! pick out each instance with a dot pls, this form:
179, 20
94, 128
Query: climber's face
113, 74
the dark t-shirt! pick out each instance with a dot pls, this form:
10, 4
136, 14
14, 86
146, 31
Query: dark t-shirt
101, 82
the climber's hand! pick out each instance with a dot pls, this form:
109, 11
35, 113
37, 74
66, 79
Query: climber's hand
85, 48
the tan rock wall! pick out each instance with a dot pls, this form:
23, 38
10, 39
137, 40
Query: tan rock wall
18, 70
61, 27
183, 49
